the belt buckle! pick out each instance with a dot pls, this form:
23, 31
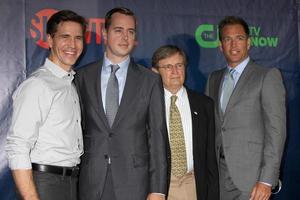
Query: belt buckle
75, 171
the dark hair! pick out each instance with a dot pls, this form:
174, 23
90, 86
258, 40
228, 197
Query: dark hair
63, 16
165, 52
232, 20
122, 10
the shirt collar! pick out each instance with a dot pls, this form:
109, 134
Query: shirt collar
57, 70
240, 67
179, 94
123, 65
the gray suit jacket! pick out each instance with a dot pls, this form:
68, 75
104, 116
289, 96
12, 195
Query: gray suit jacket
253, 128
137, 143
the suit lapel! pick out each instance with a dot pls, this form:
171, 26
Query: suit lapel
94, 78
130, 91
241, 84
198, 119
218, 91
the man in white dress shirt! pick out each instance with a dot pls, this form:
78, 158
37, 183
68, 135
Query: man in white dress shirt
44, 143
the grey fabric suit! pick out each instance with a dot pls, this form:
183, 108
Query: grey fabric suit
137, 142
253, 128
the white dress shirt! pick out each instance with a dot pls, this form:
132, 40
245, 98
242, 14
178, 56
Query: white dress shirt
183, 106
46, 121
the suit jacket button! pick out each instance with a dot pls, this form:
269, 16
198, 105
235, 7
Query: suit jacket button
110, 135
223, 129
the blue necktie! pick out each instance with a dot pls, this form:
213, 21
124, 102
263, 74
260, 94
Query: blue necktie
227, 89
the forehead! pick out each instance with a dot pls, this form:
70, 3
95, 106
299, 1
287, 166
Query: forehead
69, 26
175, 58
119, 19
233, 29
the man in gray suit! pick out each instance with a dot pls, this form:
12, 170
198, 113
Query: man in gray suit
250, 117
124, 128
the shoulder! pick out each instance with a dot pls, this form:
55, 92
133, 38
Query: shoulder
147, 72
265, 71
36, 84
90, 67
198, 97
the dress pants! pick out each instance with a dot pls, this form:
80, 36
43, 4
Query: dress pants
228, 191
54, 187
108, 191
183, 188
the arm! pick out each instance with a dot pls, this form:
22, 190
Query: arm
28, 106
212, 166
157, 140
25, 184
274, 114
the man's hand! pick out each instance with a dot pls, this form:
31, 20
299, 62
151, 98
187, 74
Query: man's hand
155, 196
260, 192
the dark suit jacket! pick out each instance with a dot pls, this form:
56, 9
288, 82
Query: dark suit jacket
137, 143
205, 164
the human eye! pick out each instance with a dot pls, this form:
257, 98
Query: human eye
79, 37
118, 30
179, 65
64, 36
226, 39
132, 32
241, 37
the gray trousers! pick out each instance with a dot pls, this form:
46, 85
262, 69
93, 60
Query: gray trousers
55, 187
228, 191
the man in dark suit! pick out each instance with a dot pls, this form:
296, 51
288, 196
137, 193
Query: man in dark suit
125, 136
190, 119
250, 117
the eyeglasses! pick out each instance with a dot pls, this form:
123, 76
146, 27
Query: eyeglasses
169, 67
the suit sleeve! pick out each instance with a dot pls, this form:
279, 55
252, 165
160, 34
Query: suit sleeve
157, 140
213, 173
274, 115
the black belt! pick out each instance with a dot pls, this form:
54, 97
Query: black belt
64, 171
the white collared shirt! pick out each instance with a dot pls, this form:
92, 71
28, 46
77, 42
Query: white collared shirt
183, 106
46, 121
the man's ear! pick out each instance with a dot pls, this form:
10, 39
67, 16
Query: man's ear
104, 34
154, 70
220, 46
49, 40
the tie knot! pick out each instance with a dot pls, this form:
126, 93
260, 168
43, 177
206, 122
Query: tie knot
114, 68
173, 99
231, 72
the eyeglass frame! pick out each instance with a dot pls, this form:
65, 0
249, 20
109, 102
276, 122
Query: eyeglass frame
169, 67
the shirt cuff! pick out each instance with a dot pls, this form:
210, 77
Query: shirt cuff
268, 184
19, 162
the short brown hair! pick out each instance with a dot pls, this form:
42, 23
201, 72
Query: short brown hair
122, 10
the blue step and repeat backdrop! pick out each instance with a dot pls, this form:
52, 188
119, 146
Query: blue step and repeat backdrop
190, 24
